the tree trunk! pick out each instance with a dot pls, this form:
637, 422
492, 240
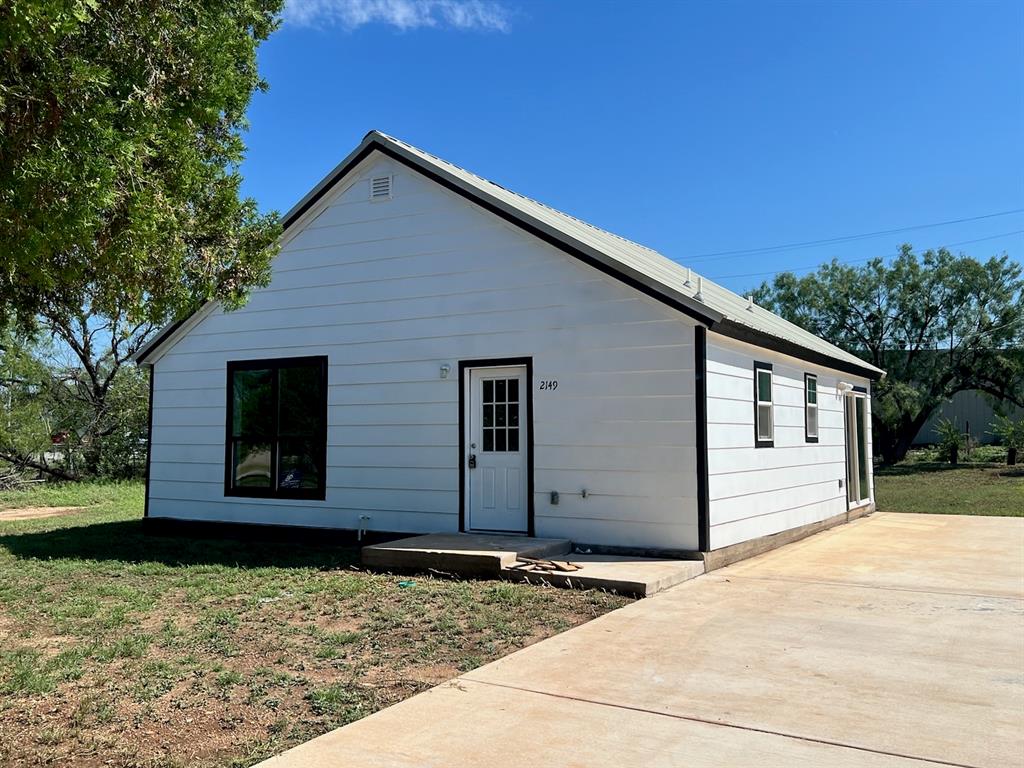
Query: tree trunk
1011, 456
909, 427
884, 441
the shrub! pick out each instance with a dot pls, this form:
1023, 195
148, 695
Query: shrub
951, 440
1010, 434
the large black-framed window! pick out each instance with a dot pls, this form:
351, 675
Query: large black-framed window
276, 442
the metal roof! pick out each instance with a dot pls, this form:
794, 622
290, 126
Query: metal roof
717, 307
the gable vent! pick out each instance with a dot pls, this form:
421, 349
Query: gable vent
380, 188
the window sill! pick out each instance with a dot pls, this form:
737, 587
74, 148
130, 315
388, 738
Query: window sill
312, 494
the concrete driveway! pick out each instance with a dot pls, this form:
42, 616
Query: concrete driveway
896, 640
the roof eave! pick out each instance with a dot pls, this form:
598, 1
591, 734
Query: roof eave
745, 333
141, 356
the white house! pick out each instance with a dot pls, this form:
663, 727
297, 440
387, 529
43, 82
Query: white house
437, 353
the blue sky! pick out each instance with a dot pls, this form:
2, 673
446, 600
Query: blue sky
693, 128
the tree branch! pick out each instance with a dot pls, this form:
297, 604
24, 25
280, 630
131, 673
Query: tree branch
25, 461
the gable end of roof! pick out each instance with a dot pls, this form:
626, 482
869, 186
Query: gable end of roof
635, 265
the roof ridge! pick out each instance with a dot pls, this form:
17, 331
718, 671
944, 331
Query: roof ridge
661, 267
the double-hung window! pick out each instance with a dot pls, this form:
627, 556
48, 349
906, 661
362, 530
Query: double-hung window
764, 418
810, 408
277, 428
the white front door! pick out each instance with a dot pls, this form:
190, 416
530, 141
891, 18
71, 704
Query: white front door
496, 449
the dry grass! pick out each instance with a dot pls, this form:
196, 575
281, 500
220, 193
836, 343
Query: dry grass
120, 649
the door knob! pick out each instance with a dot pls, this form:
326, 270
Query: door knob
472, 461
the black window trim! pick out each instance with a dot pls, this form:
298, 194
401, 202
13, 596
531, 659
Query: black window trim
275, 364
758, 442
808, 437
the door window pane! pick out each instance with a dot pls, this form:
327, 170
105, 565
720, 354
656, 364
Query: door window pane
851, 459
500, 414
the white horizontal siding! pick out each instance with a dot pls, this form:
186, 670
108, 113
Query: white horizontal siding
324, 514
641, 532
760, 491
391, 291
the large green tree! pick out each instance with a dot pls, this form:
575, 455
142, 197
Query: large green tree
71, 380
120, 137
937, 324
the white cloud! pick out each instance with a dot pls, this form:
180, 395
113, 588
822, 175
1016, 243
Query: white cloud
405, 14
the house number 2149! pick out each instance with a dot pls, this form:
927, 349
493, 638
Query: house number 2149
550, 384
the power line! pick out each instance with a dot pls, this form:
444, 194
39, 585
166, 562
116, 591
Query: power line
867, 258
845, 239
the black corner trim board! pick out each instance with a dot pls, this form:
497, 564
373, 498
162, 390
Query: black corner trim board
758, 442
149, 440
276, 363
710, 318
701, 395
497, 362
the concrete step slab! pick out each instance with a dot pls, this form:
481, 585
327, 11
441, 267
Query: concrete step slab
636, 576
463, 554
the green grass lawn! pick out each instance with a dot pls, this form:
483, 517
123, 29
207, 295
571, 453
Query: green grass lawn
920, 485
121, 649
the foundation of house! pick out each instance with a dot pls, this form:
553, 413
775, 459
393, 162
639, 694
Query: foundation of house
502, 557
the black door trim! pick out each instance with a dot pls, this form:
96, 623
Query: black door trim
496, 362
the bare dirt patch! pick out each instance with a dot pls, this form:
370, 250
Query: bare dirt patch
33, 513
129, 650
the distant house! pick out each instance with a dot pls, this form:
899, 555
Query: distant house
972, 412
437, 353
